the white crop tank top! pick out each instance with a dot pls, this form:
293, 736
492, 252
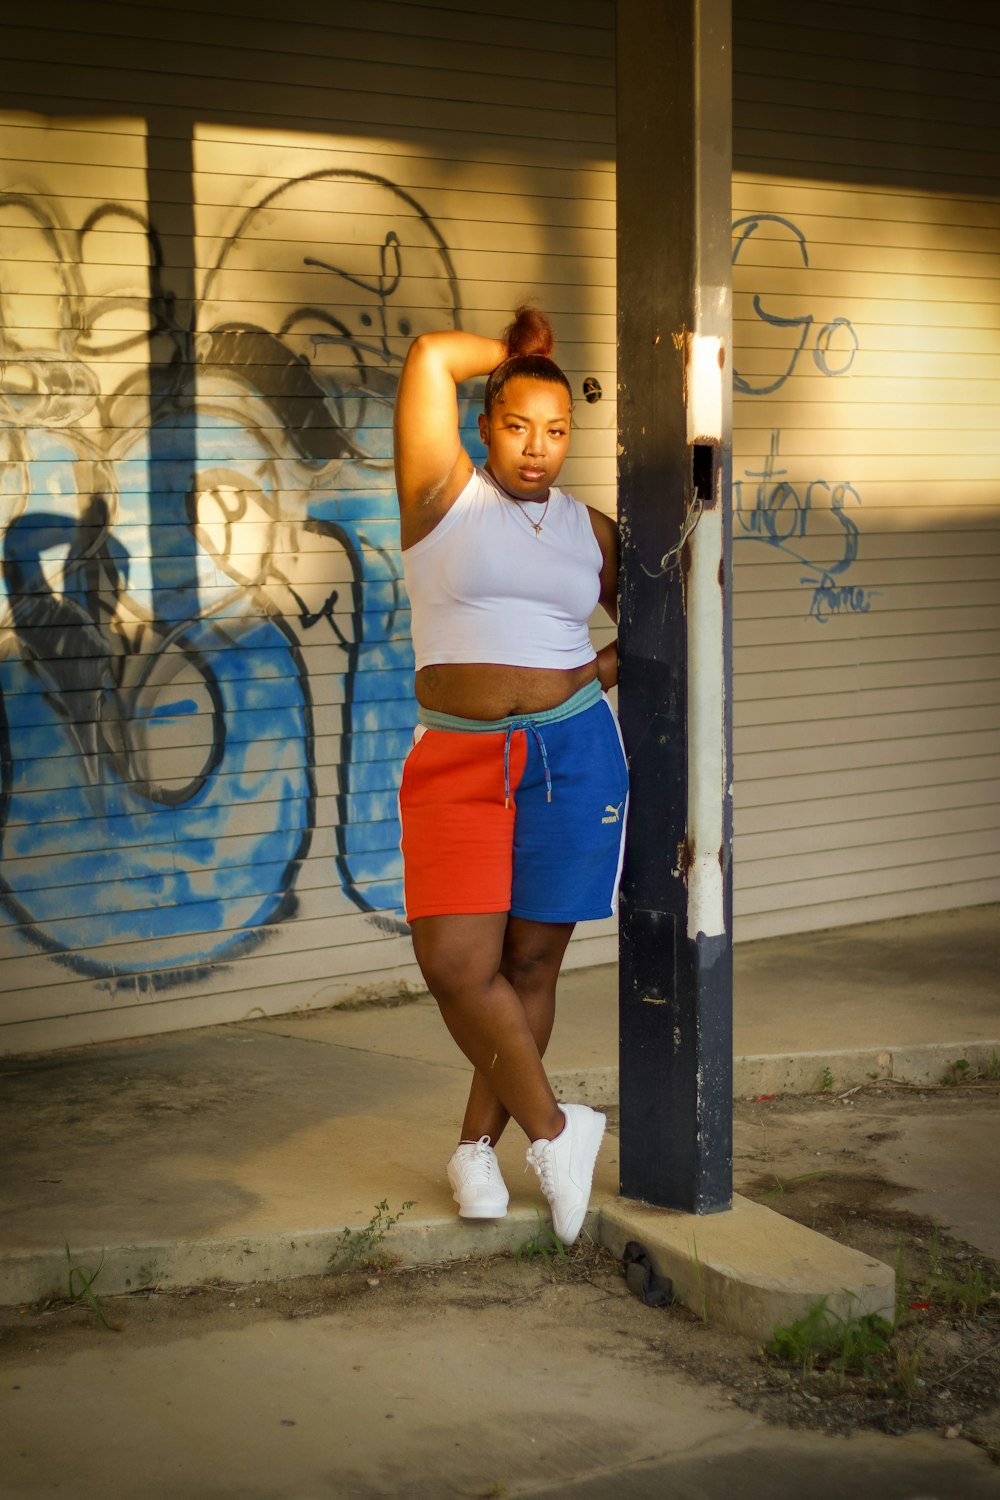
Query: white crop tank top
484, 587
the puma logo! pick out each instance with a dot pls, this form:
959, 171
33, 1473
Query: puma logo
612, 814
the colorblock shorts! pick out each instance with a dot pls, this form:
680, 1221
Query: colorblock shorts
523, 815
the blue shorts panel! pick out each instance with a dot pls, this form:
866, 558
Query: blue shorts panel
568, 851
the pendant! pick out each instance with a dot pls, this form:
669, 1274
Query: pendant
538, 529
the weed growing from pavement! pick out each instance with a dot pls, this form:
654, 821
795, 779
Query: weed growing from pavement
544, 1245
961, 1071
905, 1376
825, 1340
783, 1182
81, 1287
361, 1249
80, 1292
965, 1295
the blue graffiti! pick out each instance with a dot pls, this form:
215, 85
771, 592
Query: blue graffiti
830, 598
837, 335
158, 714
797, 521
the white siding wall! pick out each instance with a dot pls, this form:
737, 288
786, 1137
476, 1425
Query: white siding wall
867, 632
218, 232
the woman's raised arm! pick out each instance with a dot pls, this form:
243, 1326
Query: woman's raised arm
431, 464
432, 467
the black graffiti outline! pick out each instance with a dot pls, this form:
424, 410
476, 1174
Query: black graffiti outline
749, 224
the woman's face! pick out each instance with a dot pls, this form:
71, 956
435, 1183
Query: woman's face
527, 436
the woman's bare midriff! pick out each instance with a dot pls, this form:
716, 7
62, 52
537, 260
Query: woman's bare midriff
484, 690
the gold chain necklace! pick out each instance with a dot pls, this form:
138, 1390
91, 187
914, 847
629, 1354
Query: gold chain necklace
536, 526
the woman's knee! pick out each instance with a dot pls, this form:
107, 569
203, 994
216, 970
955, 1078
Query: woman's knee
458, 962
533, 953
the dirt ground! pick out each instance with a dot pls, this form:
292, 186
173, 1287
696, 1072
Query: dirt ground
819, 1160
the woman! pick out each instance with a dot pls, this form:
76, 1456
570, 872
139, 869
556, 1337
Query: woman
514, 795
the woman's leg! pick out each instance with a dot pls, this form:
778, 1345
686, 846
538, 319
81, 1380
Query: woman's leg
532, 956
460, 957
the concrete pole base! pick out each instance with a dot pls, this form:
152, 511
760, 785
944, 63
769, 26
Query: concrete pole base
750, 1269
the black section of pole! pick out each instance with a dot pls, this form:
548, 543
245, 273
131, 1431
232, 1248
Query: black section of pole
674, 167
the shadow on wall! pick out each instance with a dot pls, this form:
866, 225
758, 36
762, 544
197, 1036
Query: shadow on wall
208, 635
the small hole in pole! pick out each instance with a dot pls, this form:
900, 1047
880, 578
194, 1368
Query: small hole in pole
703, 470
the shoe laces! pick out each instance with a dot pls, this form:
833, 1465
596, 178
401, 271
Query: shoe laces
540, 1157
479, 1163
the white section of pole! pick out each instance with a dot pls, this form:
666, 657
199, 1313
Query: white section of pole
706, 726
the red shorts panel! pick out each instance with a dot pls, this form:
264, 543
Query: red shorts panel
458, 836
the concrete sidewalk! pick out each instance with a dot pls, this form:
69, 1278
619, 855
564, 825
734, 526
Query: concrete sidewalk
242, 1151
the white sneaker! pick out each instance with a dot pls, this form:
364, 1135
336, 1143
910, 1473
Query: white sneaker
565, 1167
479, 1188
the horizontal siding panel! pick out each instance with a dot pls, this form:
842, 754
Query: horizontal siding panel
335, 73
958, 622
960, 542
877, 907
76, 163
777, 53
766, 576
816, 421
861, 837
956, 745
937, 211
273, 46
832, 820
854, 98
483, 305
817, 655
467, 220
793, 690
571, 32
817, 23
816, 742
830, 240
790, 785
935, 873
97, 88
825, 866
933, 601
903, 133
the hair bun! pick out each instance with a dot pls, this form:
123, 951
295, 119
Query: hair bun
530, 333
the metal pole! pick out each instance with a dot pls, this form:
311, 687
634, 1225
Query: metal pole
675, 639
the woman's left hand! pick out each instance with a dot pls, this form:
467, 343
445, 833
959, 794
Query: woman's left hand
607, 665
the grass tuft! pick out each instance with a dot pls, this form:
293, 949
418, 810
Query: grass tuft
822, 1339
544, 1245
361, 1249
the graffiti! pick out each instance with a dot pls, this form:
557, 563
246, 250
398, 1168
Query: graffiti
199, 564
829, 598
834, 344
803, 522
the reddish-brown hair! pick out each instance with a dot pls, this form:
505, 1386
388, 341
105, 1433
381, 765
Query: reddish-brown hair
529, 340
529, 333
